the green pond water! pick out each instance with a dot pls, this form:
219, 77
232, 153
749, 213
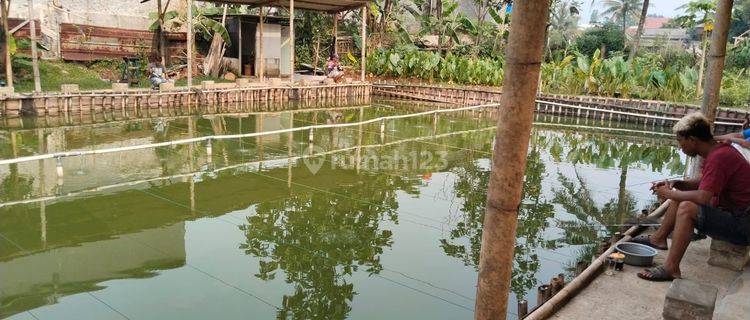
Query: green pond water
357, 225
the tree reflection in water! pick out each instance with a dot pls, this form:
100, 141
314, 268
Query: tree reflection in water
533, 215
319, 239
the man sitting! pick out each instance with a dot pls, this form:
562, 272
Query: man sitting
716, 204
333, 67
741, 138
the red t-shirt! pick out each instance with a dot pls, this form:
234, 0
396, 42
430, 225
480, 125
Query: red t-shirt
726, 174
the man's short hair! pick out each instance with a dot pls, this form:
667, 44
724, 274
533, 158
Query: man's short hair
693, 125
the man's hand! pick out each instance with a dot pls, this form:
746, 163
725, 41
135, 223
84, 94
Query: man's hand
663, 190
668, 183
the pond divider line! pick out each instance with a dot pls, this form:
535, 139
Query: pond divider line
232, 136
310, 128
47, 198
234, 166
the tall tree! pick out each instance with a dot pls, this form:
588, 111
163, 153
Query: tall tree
524, 58
623, 11
639, 32
715, 65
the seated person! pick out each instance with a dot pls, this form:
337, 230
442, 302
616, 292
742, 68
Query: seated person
742, 138
333, 68
716, 204
156, 74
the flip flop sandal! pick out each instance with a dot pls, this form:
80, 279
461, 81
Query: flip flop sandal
646, 240
658, 274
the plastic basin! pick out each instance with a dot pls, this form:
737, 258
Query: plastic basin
636, 254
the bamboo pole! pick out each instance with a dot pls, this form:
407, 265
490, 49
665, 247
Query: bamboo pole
363, 40
34, 60
262, 64
239, 55
4, 7
335, 32
291, 40
190, 44
524, 54
545, 310
715, 63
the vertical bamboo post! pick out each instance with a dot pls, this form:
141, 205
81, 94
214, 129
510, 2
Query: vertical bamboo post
34, 60
335, 32
4, 7
190, 44
291, 40
715, 63
239, 34
363, 37
524, 54
262, 62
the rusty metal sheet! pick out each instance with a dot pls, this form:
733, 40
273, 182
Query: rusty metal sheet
87, 42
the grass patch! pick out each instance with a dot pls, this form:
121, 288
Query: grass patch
94, 76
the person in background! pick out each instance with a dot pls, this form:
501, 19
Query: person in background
156, 73
716, 204
333, 68
741, 138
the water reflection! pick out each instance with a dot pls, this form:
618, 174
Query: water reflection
316, 242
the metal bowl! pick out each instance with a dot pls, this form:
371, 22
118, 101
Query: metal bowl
636, 254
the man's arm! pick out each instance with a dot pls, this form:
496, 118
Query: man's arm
687, 184
729, 136
696, 196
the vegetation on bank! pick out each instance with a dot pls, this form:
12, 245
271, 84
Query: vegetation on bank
97, 75
650, 76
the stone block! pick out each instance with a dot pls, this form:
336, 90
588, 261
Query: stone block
329, 81
68, 88
7, 90
166, 86
689, 300
734, 305
726, 255
242, 82
120, 87
207, 84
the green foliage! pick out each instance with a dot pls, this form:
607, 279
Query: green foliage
735, 89
432, 66
645, 78
609, 35
739, 57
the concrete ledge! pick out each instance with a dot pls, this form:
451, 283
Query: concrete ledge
328, 81
120, 87
7, 90
689, 300
274, 81
242, 82
69, 88
735, 306
207, 84
166, 86
730, 256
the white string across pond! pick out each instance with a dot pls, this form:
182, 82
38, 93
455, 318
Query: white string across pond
313, 127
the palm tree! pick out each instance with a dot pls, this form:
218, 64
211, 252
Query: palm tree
623, 11
637, 39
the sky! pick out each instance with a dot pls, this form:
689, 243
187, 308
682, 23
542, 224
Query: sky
667, 8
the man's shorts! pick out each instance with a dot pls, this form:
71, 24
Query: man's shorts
724, 225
